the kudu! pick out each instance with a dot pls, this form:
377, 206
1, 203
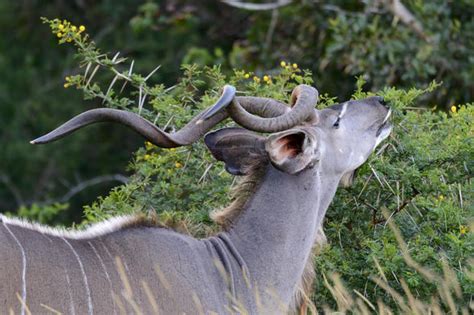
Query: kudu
259, 261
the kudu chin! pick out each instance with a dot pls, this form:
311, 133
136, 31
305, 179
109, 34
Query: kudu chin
261, 261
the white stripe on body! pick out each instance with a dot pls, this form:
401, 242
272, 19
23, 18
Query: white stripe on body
84, 276
105, 272
72, 309
23, 273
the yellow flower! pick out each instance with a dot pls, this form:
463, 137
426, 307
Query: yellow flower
148, 145
295, 66
59, 34
60, 27
73, 28
69, 40
441, 198
82, 28
266, 78
256, 79
178, 165
66, 85
247, 75
454, 108
146, 157
283, 64
463, 229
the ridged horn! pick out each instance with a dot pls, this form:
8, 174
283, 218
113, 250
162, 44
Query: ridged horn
303, 98
189, 134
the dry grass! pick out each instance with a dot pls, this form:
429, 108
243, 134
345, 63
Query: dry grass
443, 301
348, 301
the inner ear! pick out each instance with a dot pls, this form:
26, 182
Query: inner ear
290, 145
293, 150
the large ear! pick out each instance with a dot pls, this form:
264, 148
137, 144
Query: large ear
238, 148
293, 150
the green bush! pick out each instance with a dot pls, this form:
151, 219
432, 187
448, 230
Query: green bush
338, 40
420, 179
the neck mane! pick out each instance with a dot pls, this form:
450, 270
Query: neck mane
95, 230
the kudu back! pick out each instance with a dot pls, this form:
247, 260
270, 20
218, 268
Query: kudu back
261, 261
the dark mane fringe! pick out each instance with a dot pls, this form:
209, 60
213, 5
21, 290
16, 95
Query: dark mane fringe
240, 194
304, 290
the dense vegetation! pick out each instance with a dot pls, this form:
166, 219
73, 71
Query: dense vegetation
420, 179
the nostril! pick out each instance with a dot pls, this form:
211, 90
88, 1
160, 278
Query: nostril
383, 102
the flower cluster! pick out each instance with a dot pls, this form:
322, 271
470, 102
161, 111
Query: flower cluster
289, 71
288, 65
66, 31
72, 80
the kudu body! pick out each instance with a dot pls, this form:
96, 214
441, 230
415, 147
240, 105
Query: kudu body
255, 265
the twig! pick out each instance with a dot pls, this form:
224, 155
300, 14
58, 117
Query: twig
402, 206
92, 182
153, 72
110, 88
205, 173
129, 74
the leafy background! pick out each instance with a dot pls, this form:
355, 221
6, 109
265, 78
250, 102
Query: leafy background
422, 178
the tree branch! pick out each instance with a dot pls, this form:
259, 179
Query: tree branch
92, 182
257, 6
400, 11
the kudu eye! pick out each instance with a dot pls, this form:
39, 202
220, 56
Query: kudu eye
336, 123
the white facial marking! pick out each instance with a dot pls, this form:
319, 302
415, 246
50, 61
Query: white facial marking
23, 272
388, 116
344, 108
84, 277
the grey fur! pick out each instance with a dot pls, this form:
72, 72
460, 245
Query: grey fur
254, 266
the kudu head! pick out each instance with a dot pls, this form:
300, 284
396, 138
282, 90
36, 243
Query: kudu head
337, 139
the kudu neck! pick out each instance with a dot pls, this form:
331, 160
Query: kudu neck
276, 231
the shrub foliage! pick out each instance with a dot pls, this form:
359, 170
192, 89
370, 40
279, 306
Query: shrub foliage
419, 181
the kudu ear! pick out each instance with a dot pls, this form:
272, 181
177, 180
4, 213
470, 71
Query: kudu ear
293, 150
238, 148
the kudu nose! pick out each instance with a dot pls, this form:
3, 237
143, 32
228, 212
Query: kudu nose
383, 102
